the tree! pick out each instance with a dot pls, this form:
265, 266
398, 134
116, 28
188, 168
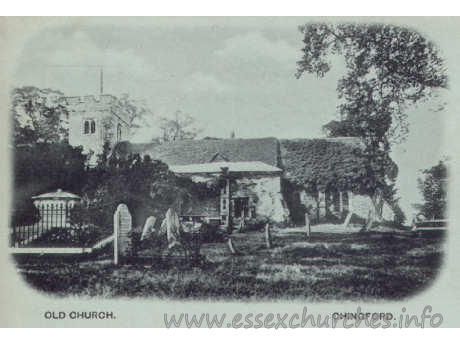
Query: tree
39, 115
45, 167
137, 111
342, 128
388, 69
146, 186
433, 189
180, 127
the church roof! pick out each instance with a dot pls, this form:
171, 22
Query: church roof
186, 152
297, 158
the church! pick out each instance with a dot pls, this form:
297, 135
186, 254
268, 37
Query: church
263, 177
263, 169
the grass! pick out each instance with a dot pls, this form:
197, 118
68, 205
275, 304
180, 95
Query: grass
330, 266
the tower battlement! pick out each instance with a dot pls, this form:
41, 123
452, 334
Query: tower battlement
90, 99
90, 104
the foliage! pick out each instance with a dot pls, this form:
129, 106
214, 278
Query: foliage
146, 186
389, 194
434, 190
137, 111
39, 115
399, 216
85, 236
135, 241
211, 233
343, 128
255, 224
42, 168
389, 68
320, 164
178, 128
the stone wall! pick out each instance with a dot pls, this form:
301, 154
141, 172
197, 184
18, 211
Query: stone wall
266, 195
263, 190
91, 141
358, 204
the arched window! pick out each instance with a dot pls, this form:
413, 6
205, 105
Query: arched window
93, 127
86, 127
119, 132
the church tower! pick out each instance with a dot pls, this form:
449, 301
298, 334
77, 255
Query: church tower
94, 121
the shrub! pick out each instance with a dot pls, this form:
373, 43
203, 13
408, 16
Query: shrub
135, 237
255, 224
433, 187
211, 233
85, 236
146, 186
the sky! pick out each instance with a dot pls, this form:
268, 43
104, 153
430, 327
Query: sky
230, 74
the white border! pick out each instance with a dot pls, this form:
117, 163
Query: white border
230, 8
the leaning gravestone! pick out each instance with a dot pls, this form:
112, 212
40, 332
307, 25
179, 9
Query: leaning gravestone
122, 225
148, 227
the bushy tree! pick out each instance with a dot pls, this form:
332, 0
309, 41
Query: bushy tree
42, 168
389, 68
179, 127
137, 110
146, 186
39, 115
433, 187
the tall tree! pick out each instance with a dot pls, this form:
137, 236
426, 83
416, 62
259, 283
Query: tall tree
137, 110
180, 127
39, 115
433, 189
388, 69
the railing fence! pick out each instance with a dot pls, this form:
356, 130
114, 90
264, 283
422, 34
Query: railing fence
52, 217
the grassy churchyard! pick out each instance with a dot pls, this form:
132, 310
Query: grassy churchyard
332, 265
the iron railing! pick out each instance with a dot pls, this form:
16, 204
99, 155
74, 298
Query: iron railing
52, 218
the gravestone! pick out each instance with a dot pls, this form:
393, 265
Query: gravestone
148, 227
307, 226
122, 224
268, 236
347, 220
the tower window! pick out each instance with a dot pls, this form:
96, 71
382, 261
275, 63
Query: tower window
86, 127
89, 127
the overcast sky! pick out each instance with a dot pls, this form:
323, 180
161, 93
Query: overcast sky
230, 74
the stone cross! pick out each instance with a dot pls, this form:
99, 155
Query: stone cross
122, 225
